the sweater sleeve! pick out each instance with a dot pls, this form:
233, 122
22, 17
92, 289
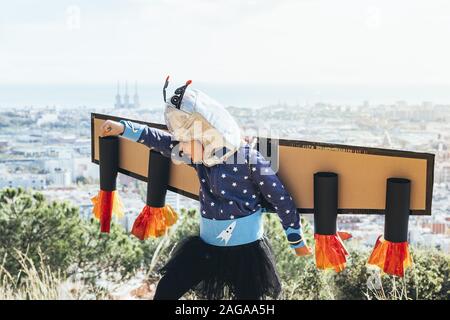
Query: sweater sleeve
153, 138
273, 190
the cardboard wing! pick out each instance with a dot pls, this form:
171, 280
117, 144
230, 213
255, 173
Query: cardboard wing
362, 171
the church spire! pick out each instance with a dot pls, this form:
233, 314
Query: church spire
136, 96
126, 97
118, 103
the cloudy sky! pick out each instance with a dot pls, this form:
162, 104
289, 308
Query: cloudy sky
226, 41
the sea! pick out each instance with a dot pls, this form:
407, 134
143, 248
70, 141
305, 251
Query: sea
238, 95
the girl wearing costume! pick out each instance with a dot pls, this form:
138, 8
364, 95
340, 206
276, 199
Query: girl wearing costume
231, 257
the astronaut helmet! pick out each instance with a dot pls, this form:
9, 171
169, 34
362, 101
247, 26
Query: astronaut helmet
191, 114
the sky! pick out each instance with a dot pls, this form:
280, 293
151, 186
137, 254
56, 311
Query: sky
312, 42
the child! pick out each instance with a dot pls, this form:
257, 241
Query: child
231, 257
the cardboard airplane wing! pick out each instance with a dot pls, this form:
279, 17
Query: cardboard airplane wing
362, 171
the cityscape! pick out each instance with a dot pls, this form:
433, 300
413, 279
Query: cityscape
49, 149
359, 88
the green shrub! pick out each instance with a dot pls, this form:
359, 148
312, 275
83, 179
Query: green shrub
427, 279
351, 283
31, 225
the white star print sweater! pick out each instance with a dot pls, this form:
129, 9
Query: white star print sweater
231, 190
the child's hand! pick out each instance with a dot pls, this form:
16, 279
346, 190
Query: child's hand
111, 128
303, 251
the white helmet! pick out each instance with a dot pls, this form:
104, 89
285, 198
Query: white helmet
190, 114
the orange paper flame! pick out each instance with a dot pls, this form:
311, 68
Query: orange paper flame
106, 203
344, 235
153, 222
330, 252
391, 257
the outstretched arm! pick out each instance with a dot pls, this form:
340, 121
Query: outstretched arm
153, 138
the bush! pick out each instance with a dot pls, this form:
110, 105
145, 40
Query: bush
352, 282
427, 279
31, 225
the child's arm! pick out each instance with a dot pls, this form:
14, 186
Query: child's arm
274, 192
153, 138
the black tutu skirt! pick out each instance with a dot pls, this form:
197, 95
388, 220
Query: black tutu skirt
237, 272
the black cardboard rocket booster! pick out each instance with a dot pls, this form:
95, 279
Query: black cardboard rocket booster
391, 254
156, 217
158, 179
109, 162
325, 202
329, 250
107, 202
398, 196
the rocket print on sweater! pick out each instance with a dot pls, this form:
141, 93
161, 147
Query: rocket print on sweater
227, 233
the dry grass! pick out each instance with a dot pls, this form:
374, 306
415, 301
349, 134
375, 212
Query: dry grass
376, 290
32, 283
42, 283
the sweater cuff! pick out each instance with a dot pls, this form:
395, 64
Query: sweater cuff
295, 237
132, 130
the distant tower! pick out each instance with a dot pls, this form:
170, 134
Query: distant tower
126, 97
366, 104
118, 103
136, 96
387, 141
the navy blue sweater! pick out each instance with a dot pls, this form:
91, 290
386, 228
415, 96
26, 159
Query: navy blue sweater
231, 190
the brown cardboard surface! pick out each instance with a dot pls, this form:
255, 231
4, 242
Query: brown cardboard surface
362, 171
133, 158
